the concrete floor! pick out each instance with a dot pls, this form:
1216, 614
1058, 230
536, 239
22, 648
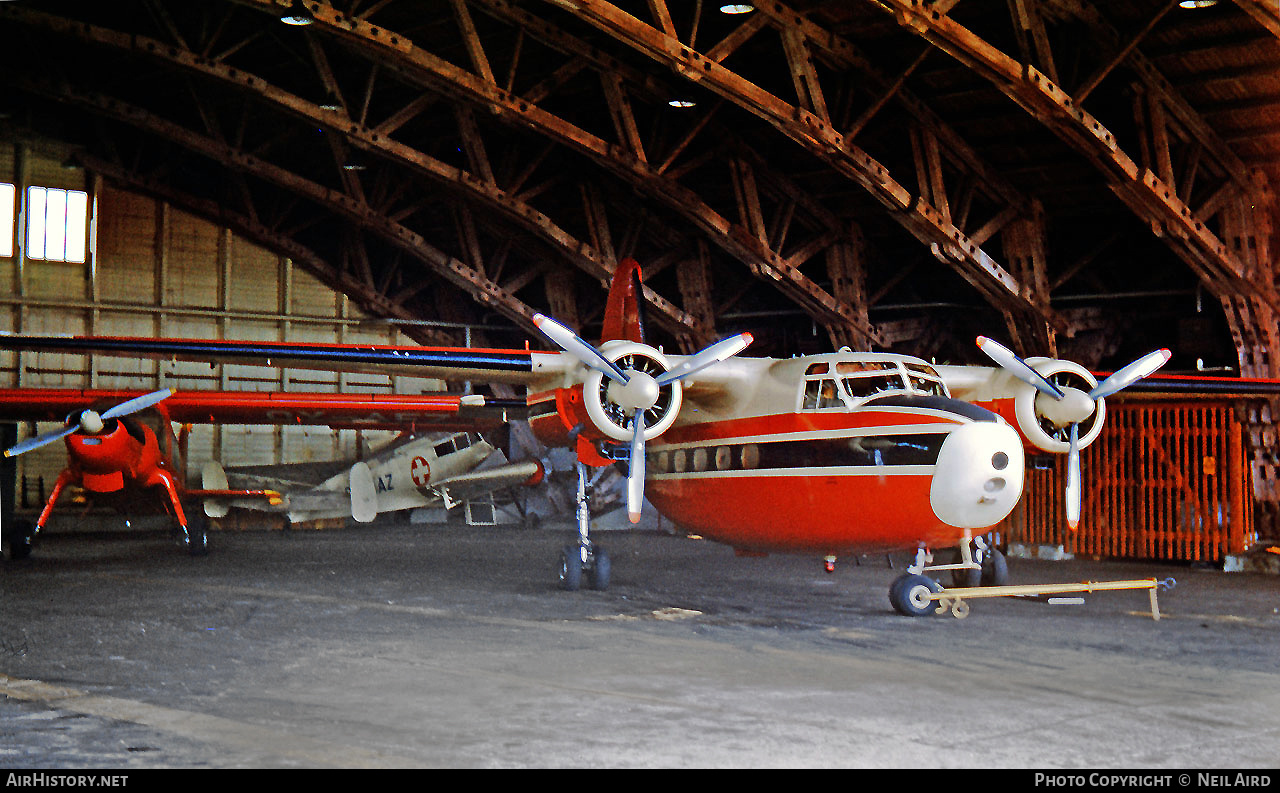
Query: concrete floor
446, 646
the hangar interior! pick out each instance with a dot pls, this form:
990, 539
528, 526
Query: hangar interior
1080, 179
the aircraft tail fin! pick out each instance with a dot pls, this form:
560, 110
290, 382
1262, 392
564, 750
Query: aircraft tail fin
624, 310
364, 495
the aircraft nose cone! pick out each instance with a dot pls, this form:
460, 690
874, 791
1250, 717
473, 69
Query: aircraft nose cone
978, 477
91, 422
640, 392
1074, 407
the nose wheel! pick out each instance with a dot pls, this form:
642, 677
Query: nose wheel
976, 564
910, 594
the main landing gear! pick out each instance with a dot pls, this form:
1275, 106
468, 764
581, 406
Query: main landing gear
19, 537
976, 564
584, 558
194, 536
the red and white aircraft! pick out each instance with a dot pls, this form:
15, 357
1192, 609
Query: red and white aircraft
833, 454
122, 451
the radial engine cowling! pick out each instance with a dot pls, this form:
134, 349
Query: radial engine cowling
610, 404
1045, 421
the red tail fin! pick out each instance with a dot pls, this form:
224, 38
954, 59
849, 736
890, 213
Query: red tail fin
623, 314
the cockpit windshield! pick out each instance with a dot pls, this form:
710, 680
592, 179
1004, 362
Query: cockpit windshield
846, 384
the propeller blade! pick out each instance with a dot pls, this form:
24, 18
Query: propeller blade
1017, 367
720, 351
1073, 479
635, 472
1130, 374
137, 403
569, 341
40, 440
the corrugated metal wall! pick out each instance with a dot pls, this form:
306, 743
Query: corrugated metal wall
155, 270
1164, 480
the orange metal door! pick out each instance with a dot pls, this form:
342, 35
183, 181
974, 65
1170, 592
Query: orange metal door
1164, 480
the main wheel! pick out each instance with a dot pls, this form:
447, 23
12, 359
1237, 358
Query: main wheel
601, 570
910, 593
196, 534
995, 570
570, 568
19, 539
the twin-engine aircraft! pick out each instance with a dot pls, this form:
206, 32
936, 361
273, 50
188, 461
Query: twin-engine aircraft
122, 452
833, 454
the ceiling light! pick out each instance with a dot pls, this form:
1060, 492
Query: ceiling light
297, 14
1197, 3
737, 8
681, 103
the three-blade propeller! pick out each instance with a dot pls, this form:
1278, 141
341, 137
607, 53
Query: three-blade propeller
90, 422
638, 390
1070, 406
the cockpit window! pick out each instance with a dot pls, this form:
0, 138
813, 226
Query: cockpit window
924, 379
867, 385
859, 367
820, 394
456, 443
846, 384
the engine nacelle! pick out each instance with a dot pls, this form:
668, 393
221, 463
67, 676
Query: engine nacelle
603, 398
1034, 412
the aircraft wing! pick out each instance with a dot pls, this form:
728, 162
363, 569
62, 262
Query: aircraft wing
523, 367
424, 412
486, 480
1176, 385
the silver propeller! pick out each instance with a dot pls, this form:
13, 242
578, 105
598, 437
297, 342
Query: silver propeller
635, 391
1066, 408
571, 343
1017, 367
90, 422
1073, 479
40, 440
137, 403
1130, 374
722, 350
635, 468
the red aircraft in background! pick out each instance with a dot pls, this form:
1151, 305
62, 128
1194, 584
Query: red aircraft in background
832, 454
122, 451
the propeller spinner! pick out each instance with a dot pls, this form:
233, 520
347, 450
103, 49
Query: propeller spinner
634, 391
90, 422
1066, 407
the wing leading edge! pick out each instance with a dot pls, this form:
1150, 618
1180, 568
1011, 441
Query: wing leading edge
427, 412
448, 363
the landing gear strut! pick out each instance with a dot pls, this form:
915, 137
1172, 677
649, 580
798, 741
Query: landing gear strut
992, 569
977, 563
584, 558
909, 593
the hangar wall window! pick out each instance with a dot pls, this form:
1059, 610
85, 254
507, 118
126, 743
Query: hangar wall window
6, 219
57, 224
